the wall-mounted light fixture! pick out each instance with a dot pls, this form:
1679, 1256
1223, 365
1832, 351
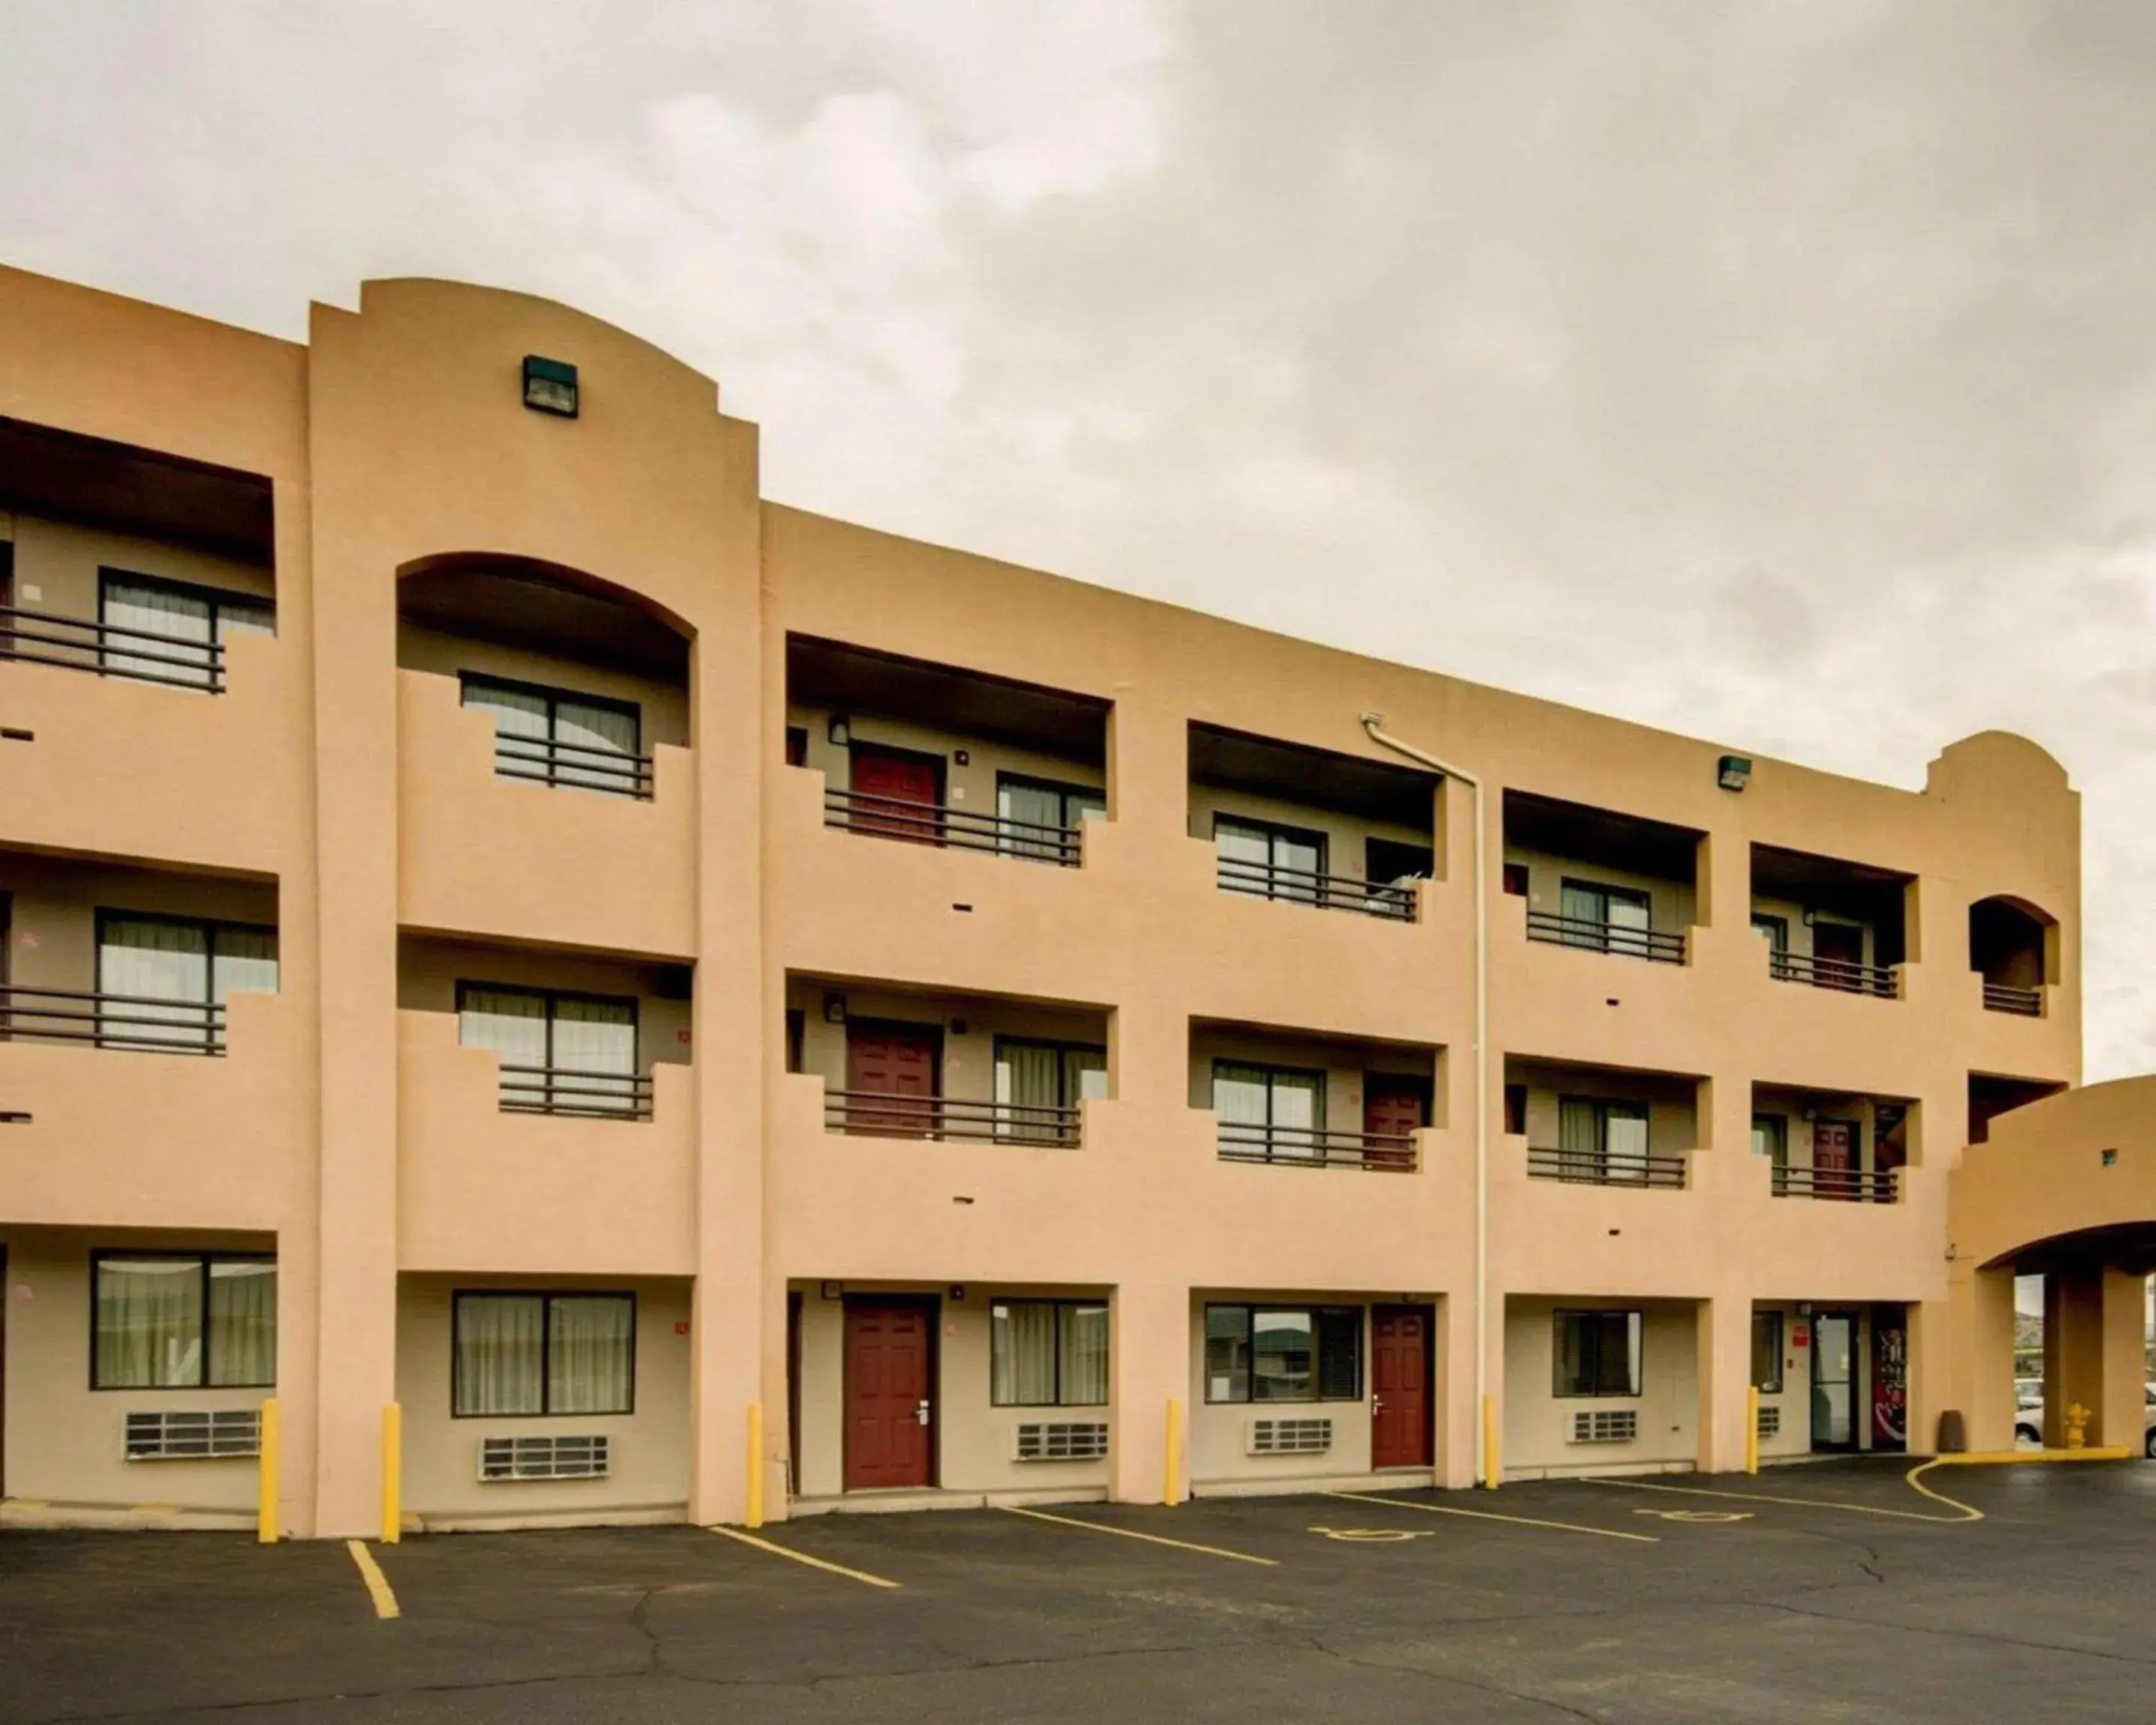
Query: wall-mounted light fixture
1734, 773
842, 729
832, 1291
550, 386
834, 1009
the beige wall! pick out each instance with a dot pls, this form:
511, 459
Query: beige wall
57, 565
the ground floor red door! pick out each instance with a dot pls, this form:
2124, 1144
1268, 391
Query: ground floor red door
1401, 1422
890, 1406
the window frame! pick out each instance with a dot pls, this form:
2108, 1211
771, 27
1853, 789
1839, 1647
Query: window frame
1777, 1137
1774, 1385
209, 927
1317, 1312
218, 598
635, 784
1066, 1097
1775, 928
1632, 1315
1273, 832
1064, 789
1064, 1308
204, 1259
1274, 1073
553, 998
546, 1297
1610, 892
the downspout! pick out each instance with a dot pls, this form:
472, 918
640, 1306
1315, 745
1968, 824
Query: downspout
1375, 723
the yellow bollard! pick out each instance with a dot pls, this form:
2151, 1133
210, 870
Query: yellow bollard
265, 1473
392, 1473
1171, 1489
756, 1464
1751, 1428
1493, 1467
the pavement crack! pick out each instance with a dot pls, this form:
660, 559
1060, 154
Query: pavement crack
1481, 1686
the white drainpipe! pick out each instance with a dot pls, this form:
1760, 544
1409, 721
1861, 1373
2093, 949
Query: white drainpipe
1375, 723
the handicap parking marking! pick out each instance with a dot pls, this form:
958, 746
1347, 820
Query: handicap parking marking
1968, 1512
377, 1583
1699, 1517
1492, 1515
1375, 1536
1210, 1550
803, 1556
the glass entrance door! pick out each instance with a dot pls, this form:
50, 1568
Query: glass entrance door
1833, 1381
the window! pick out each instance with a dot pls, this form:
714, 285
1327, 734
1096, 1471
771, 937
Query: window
1048, 1353
182, 1321
170, 631
543, 1353
171, 976
1271, 861
1602, 1140
1770, 1138
1032, 804
1516, 1110
797, 1037
1516, 879
1270, 1111
797, 745
1774, 930
1283, 1354
561, 1053
1767, 1352
1389, 861
557, 737
1038, 1085
1610, 919
1597, 1354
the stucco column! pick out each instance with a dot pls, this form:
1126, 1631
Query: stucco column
2120, 1416
1456, 1412
2073, 1349
1961, 1357
1724, 1371
1149, 1366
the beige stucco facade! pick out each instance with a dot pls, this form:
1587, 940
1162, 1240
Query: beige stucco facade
763, 919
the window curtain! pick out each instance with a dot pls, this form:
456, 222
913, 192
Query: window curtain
514, 1025
149, 1323
597, 1037
242, 1322
590, 733
244, 962
242, 617
498, 1362
588, 1369
1022, 1353
1625, 1141
154, 961
1581, 907
1036, 806
1029, 1090
1630, 919
520, 729
1085, 1356
1085, 1074
1578, 1138
176, 618
1298, 1109
1242, 1098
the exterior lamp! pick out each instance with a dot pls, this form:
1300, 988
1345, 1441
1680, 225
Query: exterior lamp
550, 386
841, 732
1734, 773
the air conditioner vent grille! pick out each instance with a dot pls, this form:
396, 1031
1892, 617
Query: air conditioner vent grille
545, 1458
173, 1435
1770, 1420
1063, 1441
1605, 1426
1290, 1437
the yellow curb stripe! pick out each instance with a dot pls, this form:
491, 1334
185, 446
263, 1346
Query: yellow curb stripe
1210, 1550
1912, 1478
1999, 1458
377, 1583
803, 1556
1863, 1509
1490, 1515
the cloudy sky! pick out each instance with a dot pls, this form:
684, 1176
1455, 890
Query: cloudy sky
1783, 374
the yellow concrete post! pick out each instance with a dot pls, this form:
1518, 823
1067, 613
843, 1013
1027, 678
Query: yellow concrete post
272, 1431
392, 1473
1751, 1428
755, 1516
1493, 1466
1171, 1489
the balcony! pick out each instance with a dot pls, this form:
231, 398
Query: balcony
1828, 923
1597, 1125
1606, 1167
1598, 882
1290, 1099
1843, 1185
900, 1063
1834, 1146
2013, 946
946, 757
111, 651
140, 1023
1282, 817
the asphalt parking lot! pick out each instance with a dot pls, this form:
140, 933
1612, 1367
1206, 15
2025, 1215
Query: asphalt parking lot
1824, 1593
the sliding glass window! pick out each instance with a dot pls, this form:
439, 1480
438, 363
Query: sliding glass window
183, 1321
162, 981
1048, 1353
526, 1353
558, 737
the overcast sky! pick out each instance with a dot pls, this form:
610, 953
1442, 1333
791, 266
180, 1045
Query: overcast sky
1782, 374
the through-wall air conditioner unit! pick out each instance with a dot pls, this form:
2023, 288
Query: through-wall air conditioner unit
1605, 1426
1063, 1441
1770, 1420
545, 1458
193, 1435
1290, 1437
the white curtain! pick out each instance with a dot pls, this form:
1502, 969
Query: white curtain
1625, 1141
245, 963
1029, 1090
1578, 1137
498, 1362
243, 1322
241, 616
595, 732
596, 1037
154, 961
1085, 1356
175, 617
588, 1369
1036, 806
149, 1322
1298, 1108
1022, 1353
513, 1024
1085, 1075
520, 728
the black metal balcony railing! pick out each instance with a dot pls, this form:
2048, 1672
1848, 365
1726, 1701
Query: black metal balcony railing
108, 649
1314, 1147
1601, 1167
1593, 936
563, 1090
940, 823
2023, 1003
1326, 892
138, 1023
1849, 1185
1841, 974
575, 766
874, 1114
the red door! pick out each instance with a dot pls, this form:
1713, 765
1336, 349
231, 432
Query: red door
1400, 1422
1392, 1108
1834, 1158
1838, 955
896, 795
890, 1079
889, 1347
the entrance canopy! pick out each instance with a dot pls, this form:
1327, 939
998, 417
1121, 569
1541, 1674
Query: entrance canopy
2075, 1172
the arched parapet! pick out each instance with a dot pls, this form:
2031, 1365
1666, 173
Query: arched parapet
1994, 764
2080, 1163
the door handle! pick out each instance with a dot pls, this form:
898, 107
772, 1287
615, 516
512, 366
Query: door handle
1376, 1404
921, 1412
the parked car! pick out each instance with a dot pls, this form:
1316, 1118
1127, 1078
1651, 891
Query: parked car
2028, 1421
